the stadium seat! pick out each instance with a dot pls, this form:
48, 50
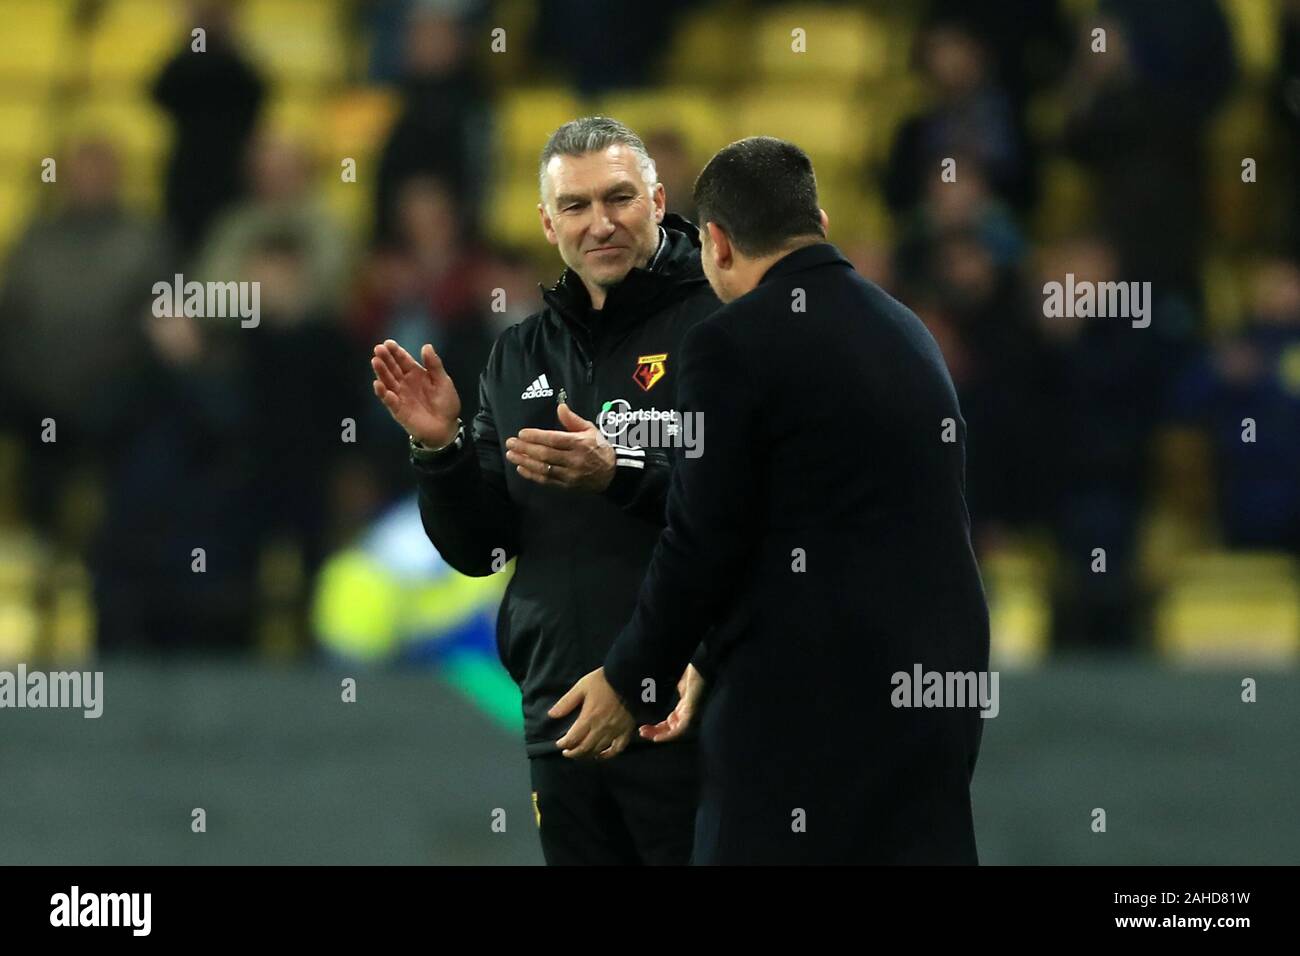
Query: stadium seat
512, 213
1231, 607
525, 118
831, 127
1224, 289
34, 43
296, 41
713, 47
1066, 201
1020, 607
843, 45
24, 133
359, 121
694, 114
71, 623
21, 561
131, 41
1256, 34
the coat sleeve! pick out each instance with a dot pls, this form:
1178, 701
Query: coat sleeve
640, 483
464, 504
703, 554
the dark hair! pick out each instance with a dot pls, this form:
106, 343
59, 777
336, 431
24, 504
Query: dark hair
761, 192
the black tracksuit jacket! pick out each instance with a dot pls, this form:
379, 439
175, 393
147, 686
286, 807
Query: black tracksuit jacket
580, 556
824, 535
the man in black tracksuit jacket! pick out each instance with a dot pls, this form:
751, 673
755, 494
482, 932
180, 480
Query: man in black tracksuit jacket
824, 534
580, 554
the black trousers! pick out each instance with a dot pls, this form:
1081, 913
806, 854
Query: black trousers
637, 809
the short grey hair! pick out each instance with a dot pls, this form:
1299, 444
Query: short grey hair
592, 134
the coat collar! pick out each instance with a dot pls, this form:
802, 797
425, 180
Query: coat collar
806, 257
676, 263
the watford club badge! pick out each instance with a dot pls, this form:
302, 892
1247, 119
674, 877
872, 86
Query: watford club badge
649, 369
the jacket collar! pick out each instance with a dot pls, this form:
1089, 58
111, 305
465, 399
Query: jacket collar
674, 266
806, 257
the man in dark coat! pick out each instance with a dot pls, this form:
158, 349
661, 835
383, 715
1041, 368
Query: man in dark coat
824, 533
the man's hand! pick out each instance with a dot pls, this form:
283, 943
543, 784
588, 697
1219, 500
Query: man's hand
603, 727
689, 689
579, 457
422, 398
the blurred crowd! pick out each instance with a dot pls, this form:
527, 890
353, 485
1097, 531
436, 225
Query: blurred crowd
178, 433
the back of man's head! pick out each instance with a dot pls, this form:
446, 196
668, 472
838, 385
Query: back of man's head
762, 193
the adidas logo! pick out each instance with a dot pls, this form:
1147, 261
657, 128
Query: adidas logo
539, 389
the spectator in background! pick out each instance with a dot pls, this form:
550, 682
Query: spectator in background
429, 283
281, 204
965, 205
299, 374
1102, 389
971, 116
442, 130
603, 46
1137, 118
213, 98
74, 283
1028, 44
1255, 375
177, 478
385, 22
959, 259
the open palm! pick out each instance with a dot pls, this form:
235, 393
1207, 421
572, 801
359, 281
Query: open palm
421, 398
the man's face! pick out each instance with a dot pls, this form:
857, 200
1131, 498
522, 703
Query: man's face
601, 214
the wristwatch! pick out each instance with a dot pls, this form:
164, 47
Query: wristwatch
422, 452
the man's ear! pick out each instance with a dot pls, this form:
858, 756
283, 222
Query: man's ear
548, 228
722, 254
659, 201
826, 222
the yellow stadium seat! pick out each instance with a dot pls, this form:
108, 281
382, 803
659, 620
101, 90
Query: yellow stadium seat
296, 41
1020, 608
352, 203
359, 121
1231, 607
831, 128
132, 41
839, 45
71, 620
24, 133
1067, 199
1256, 34
713, 47
21, 566
694, 114
512, 213
527, 117
35, 37
1223, 285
